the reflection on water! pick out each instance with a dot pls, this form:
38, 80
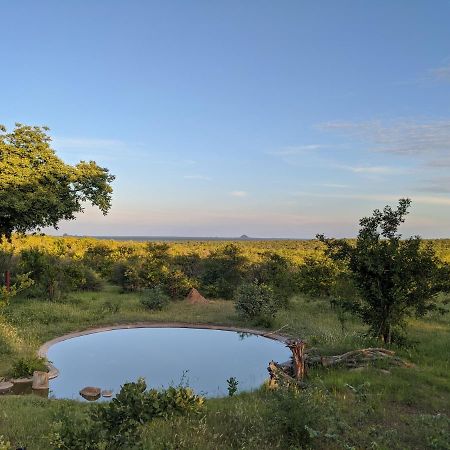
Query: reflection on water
202, 359
243, 335
25, 388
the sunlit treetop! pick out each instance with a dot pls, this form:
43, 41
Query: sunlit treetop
38, 189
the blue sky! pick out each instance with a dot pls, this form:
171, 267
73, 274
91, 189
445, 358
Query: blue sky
223, 118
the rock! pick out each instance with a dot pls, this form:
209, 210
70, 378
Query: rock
91, 393
40, 380
5, 386
107, 393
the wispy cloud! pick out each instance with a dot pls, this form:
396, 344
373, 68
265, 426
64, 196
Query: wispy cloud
334, 185
374, 170
197, 177
438, 185
239, 193
400, 137
296, 150
423, 199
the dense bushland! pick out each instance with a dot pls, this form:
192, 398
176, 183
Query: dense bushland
220, 270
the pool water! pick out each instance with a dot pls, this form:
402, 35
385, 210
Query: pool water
200, 358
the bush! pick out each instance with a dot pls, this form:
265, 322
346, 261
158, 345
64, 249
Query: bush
277, 272
301, 416
118, 424
155, 299
222, 272
317, 277
25, 366
177, 284
255, 301
81, 277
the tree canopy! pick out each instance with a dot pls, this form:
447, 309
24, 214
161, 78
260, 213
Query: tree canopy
395, 277
38, 189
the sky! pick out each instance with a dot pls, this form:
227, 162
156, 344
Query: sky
223, 118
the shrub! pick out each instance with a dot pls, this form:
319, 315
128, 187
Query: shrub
277, 272
118, 424
317, 277
177, 284
80, 277
255, 301
126, 275
47, 272
222, 272
155, 299
25, 366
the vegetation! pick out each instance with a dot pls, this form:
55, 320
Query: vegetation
406, 408
303, 288
155, 299
119, 423
394, 278
26, 365
37, 189
256, 302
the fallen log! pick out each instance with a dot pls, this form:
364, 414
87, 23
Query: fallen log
293, 372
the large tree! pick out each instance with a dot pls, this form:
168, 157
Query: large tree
38, 189
395, 278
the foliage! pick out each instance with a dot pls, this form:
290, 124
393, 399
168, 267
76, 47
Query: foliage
232, 386
118, 424
54, 275
222, 272
298, 416
37, 189
317, 277
22, 283
395, 278
277, 272
155, 298
255, 301
388, 418
26, 365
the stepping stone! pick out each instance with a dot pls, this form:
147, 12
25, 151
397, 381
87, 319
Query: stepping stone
91, 393
107, 393
5, 386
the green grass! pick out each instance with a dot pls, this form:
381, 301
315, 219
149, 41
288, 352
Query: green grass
407, 408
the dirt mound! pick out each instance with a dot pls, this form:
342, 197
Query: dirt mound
194, 297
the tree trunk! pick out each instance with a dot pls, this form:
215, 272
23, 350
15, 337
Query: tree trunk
298, 353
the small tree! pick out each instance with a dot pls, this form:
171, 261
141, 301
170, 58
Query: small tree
394, 278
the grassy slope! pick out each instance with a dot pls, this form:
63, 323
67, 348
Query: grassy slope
398, 410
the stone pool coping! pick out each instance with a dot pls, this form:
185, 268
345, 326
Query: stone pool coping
54, 372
